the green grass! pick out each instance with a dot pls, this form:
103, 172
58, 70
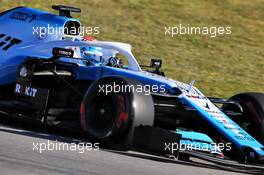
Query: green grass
221, 66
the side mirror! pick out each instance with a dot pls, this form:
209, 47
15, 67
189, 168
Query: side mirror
60, 52
156, 63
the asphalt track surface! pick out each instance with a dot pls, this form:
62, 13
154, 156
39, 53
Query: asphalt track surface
18, 156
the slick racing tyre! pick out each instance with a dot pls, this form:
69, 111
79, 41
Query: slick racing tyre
109, 113
252, 118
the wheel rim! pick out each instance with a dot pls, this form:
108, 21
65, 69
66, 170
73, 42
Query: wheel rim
103, 113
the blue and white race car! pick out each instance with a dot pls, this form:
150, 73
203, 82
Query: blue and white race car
59, 77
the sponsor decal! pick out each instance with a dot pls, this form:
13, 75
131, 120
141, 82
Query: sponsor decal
6, 42
222, 120
21, 16
26, 90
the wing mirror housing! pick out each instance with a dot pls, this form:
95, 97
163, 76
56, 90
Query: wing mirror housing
156, 63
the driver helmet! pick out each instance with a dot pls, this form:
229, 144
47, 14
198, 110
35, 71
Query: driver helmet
92, 54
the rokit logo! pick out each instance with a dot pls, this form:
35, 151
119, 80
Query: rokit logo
26, 91
6, 42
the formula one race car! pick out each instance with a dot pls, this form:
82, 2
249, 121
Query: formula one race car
60, 78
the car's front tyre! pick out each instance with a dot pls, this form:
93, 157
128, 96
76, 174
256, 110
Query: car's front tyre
111, 116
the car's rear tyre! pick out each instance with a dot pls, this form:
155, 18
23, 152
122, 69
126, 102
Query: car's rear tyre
252, 118
110, 117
